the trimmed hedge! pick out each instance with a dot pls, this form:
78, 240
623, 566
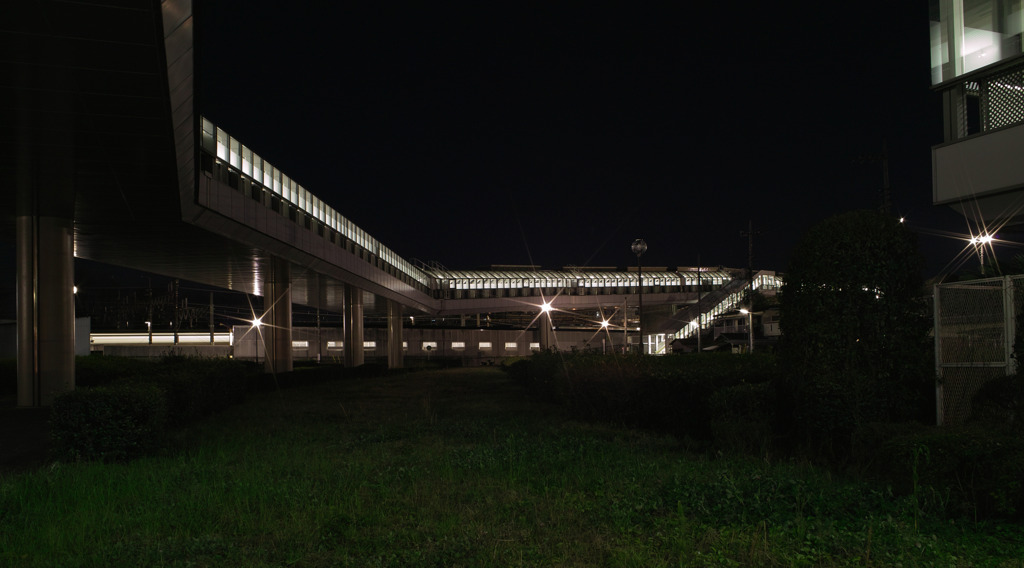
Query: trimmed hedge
137, 402
109, 423
8, 377
974, 470
195, 388
666, 394
743, 418
1000, 402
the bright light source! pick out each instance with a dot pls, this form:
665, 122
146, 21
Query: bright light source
74, 289
604, 323
744, 311
257, 322
545, 307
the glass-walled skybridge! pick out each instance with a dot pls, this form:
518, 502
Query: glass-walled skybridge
226, 159
717, 303
473, 284
235, 164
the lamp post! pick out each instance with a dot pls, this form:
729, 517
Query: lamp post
980, 242
639, 248
750, 328
256, 323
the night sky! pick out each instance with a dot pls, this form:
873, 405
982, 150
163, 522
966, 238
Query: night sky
518, 134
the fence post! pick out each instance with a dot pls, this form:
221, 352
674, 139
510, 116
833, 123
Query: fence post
936, 303
1010, 319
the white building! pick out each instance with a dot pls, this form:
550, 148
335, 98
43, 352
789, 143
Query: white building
978, 67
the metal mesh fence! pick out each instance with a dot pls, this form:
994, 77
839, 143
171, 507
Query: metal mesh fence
988, 102
974, 338
1004, 99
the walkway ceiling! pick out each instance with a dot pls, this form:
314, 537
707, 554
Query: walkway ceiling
85, 116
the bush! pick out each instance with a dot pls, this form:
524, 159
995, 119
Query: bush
971, 471
1000, 402
137, 401
195, 387
109, 423
665, 394
8, 377
743, 418
855, 330
94, 370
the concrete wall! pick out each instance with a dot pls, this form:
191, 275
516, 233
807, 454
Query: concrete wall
156, 351
468, 344
9, 338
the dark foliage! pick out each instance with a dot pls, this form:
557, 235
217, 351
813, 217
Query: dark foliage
974, 471
196, 387
97, 370
855, 331
109, 423
742, 417
667, 394
8, 377
137, 402
1000, 403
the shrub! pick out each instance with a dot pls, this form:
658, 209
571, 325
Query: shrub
975, 471
95, 371
541, 375
8, 377
743, 418
855, 331
196, 387
870, 437
666, 394
109, 423
1000, 402
138, 401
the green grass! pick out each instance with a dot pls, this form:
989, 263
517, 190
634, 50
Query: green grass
458, 468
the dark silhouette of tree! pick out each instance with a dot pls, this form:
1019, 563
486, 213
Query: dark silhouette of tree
855, 327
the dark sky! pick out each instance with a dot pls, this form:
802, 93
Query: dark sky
517, 133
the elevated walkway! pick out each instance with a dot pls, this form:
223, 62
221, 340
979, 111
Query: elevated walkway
112, 161
702, 315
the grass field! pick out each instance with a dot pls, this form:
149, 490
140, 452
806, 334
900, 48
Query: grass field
458, 468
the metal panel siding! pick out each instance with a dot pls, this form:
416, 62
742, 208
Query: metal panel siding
976, 166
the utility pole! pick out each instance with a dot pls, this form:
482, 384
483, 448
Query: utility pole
639, 247
749, 233
700, 308
177, 315
885, 200
211, 318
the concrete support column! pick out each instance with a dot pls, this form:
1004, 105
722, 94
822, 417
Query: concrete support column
353, 326
547, 333
277, 317
46, 308
395, 353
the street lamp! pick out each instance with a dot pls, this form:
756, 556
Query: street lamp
980, 242
639, 248
256, 323
750, 327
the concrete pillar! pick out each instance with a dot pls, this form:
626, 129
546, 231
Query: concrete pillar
277, 317
44, 203
395, 353
353, 326
547, 333
46, 308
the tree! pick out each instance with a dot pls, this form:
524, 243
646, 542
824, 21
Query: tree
855, 325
